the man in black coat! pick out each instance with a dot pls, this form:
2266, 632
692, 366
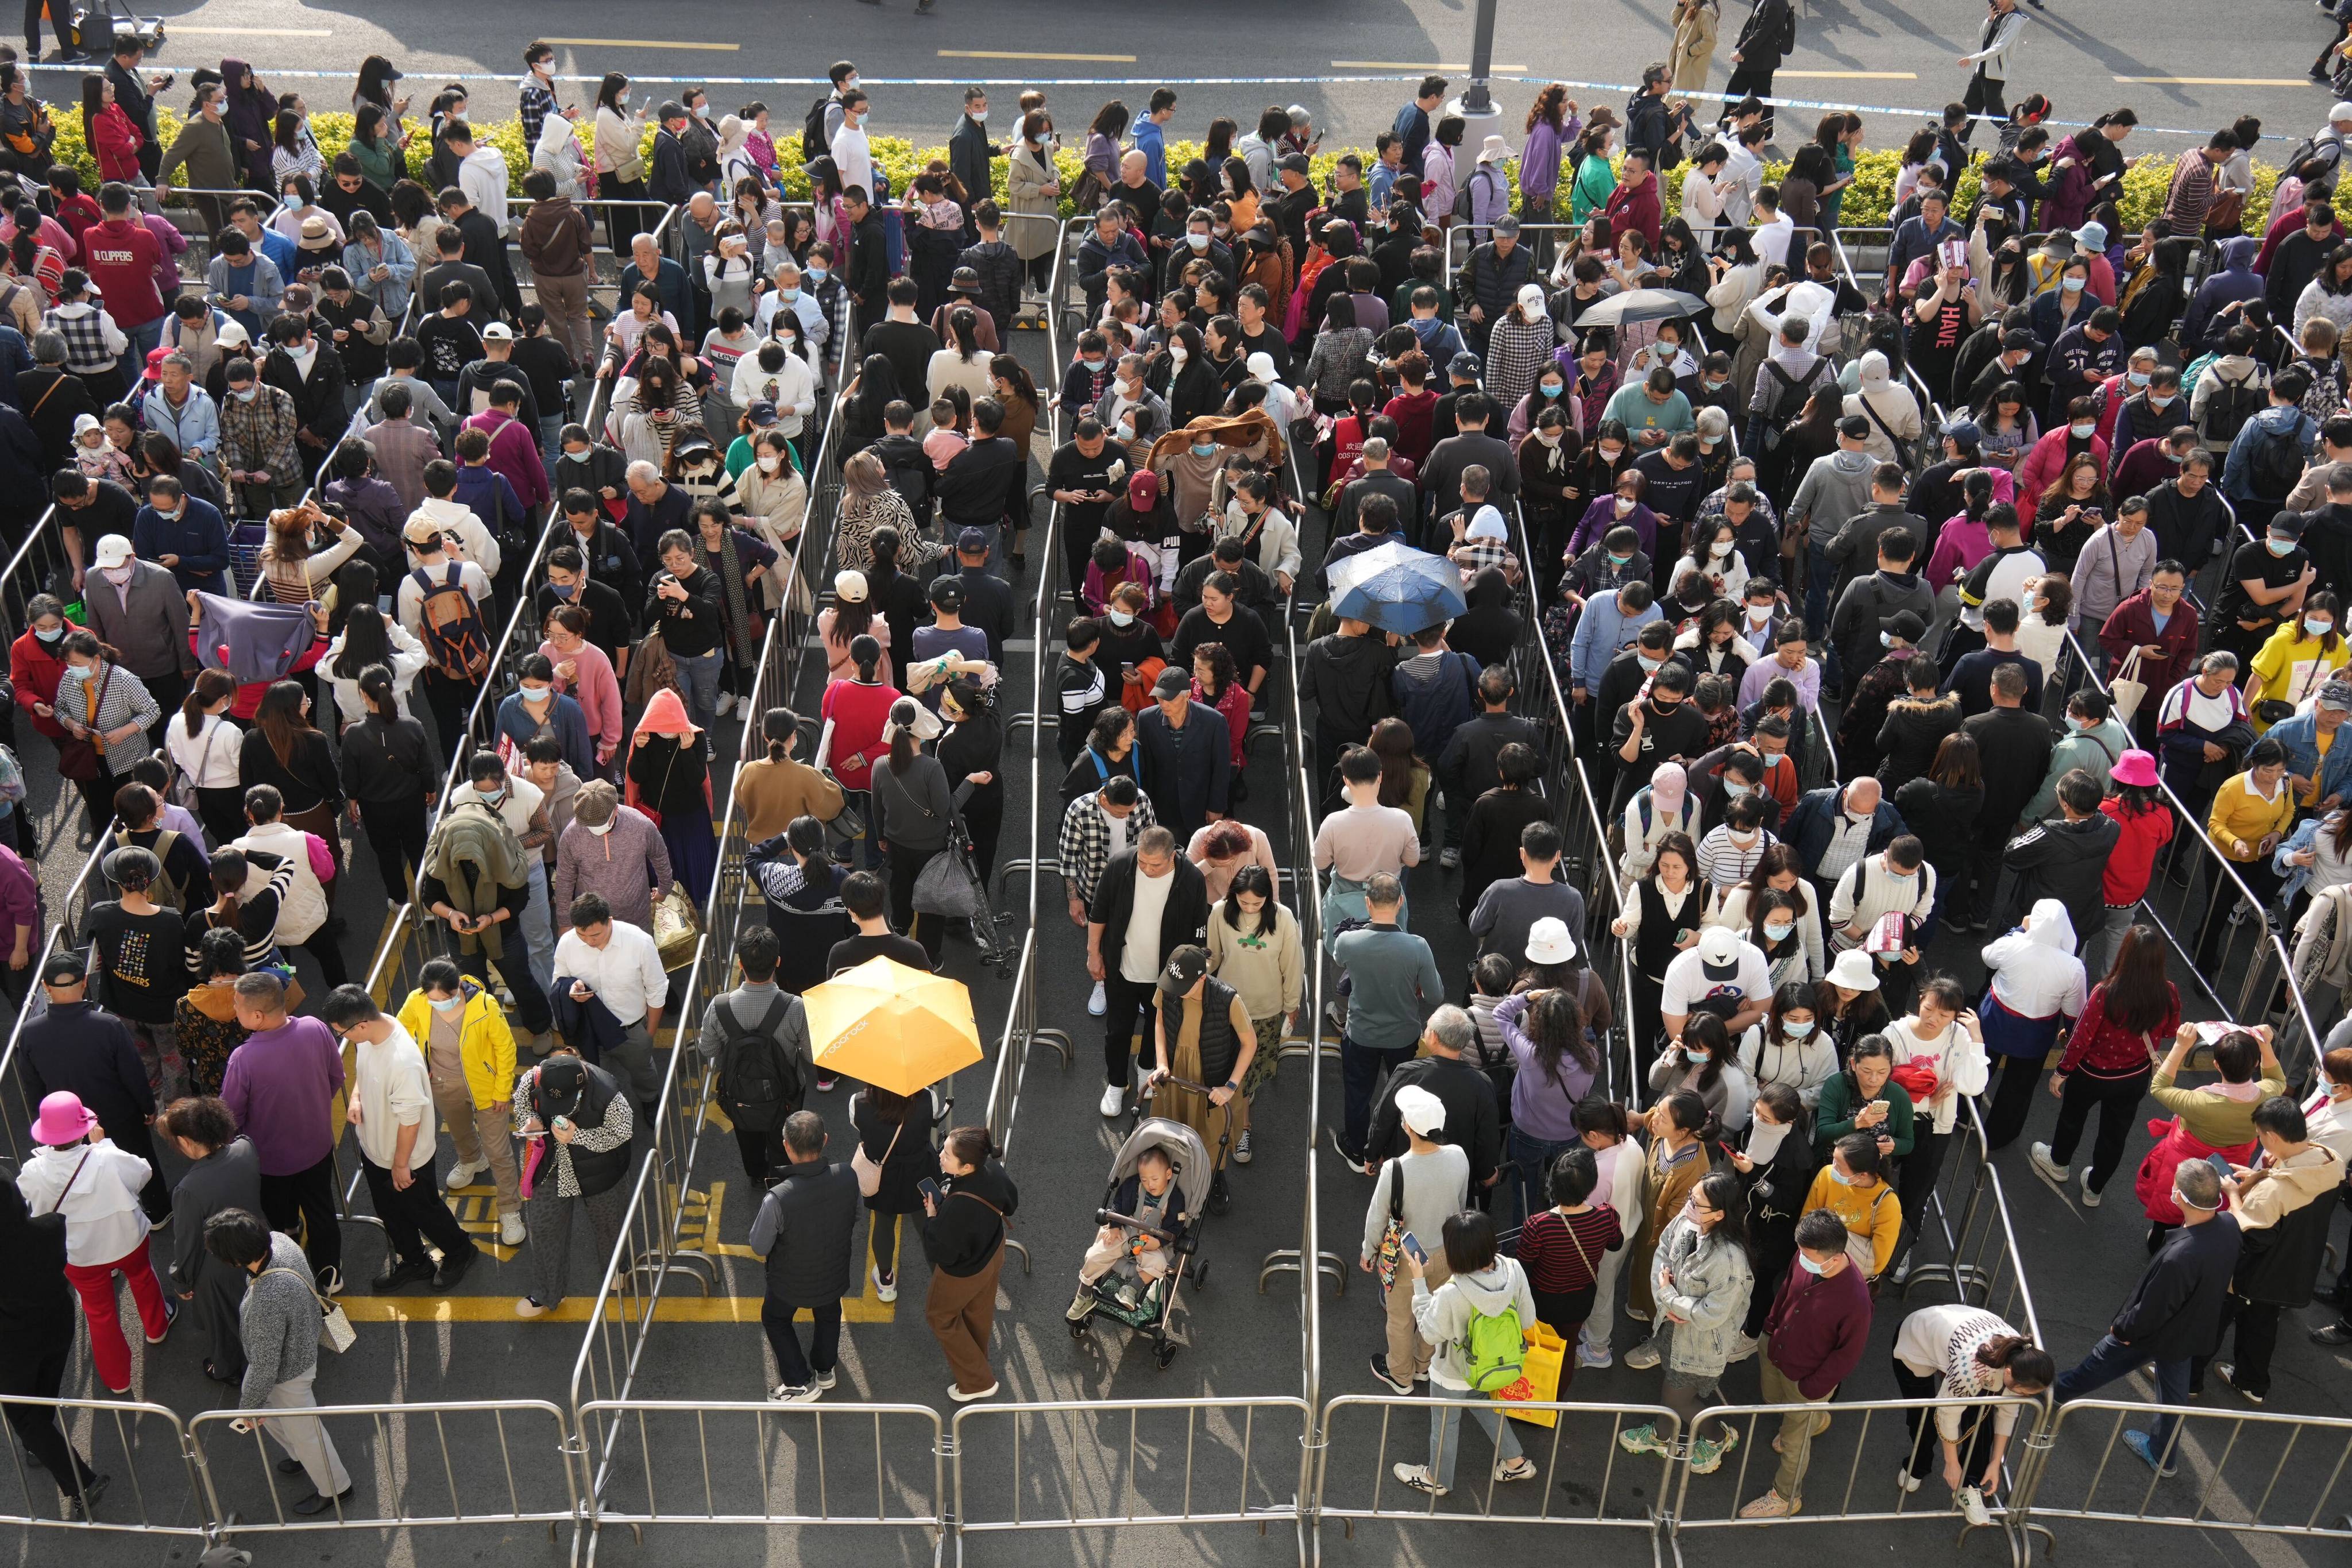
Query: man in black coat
1125, 958
987, 599
2067, 859
981, 487
806, 1230
1347, 682
1468, 767
867, 270
2013, 743
1441, 478
1186, 751
1473, 1120
1377, 480
971, 155
81, 1046
2173, 1315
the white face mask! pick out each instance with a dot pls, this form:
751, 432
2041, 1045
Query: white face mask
979, 116
1764, 1139
1625, 505
600, 829
118, 575
1121, 619
1178, 353
1719, 551
769, 462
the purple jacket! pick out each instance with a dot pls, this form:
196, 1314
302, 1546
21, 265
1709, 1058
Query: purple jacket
280, 1085
20, 900
1539, 164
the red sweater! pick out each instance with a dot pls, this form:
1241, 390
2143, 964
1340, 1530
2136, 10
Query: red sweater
1819, 1326
2105, 1048
2132, 861
121, 257
858, 714
1550, 1243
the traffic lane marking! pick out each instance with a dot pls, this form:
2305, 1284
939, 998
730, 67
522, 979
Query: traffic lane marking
1024, 55
1421, 65
639, 44
671, 1308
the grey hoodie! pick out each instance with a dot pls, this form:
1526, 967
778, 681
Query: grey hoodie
1836, 490
2093, 750
1444, 1317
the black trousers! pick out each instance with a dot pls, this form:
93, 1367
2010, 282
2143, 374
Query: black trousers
761, 1151
449, 701
307, 1199
414, 1215
1982, 97
2014, 1081
31, 1372
1127, 1004
2261, 879
222, 810
1916, 1183
2258, 1331
1746, 78
138, 1138
2118, 1100
168, 690
532, 1009
397, 834
1926, 1455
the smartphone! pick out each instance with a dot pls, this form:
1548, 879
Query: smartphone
2221, 1164
1411, 1244
928, 1188
1728, 1152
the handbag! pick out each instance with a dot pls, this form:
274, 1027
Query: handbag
869, 1171
1540, 1367
677, 928
650, 668
1088, 193
946, 885
335, 1331
184, 786
1392, 1237
2127, 690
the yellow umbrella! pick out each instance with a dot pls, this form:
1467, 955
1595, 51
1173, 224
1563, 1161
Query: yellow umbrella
883, 1023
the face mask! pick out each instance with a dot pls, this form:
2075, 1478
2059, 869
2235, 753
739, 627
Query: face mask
1805, 1259
1204, 448
1764, 1139
445, 1003
1091, 364
1548, 439
1549, 388
1121, 619
76, 672
2318, 628
56, 637
2073, 285
622, 99
1797, 1028
1759, 614
1612, 453
770, 463
564, 590
1625, 505
1696, 1058
118, 575
1719, 551
1620, 561
2164, 402
1857, 817
491, 797
2081, 430
979, 116
819, 274
1780, 931
1886, 639
2137, 377
1197, 241
1842, 1179
1733, 790
1650, 665
247, 394
788, 295
1714, 386
602, 830
2279, 546
536, 693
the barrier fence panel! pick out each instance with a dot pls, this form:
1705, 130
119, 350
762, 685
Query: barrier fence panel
152, 1488
2287, 1476
744, 1463
1855, 1456
1968, 1242
41, 563
412, 1465
1147, 1461
1363, 1436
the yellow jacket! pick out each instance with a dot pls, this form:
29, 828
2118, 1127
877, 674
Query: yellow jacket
2276, 660
2240, 813
1872, 1211
485, 1044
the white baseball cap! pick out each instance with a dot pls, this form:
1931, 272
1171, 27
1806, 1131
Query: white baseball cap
1718, 952
1855, 970
1421, 1110
113, 551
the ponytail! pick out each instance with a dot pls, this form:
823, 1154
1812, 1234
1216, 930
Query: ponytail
971, 1146
2027, 1363
211, 686
376, 687
778, 725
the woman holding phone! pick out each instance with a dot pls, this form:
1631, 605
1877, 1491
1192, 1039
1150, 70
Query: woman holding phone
964, 1215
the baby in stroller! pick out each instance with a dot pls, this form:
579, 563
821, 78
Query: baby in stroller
1144, 1250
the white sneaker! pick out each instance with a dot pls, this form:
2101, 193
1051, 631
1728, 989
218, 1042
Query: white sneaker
462, 1174
725, 705
1096, 1003
1742, 1347
1242, 1148
795, 1394
1595, 1356
961, 1397
1114, 1098
1643, 1356
1972, 1504
1450, 859
2047, 1168
885, 1290
2090, 1193
825, 1380
510, 1229
1904, 1480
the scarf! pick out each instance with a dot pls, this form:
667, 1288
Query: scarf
737, 613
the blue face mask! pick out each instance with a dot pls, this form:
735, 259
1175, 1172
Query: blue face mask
1733, 789
2317, 628
788, 295
2279, 546
818, 274
76, 672
445, 1003
1805, 1260
1797, 1028
1204, 448
1696, 1058
1549, 388
1620, 561
1779, 932
1841, 1179
564, 590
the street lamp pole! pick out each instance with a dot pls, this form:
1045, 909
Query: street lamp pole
1477, 99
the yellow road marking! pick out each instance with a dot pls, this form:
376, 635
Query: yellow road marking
639, 44
1857, 76
1021, 55
1421, 65
2212, 80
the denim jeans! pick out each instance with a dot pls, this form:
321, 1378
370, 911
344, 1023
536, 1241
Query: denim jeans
1359, 1075
1445, 1434
1533, 1158
2111, 1359
698, 682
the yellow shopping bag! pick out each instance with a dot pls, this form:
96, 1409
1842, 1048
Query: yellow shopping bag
1540, 1377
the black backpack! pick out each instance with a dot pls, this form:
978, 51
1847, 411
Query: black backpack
2276, 462
759, 1083
813, 143
2230, 403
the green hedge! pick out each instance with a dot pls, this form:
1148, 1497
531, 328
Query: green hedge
1868, 201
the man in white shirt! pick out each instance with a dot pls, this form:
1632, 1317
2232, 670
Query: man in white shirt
521, 805
1770, 229
454, 517
604, 960
852, 155
481, 172
391, 1110
1723, 967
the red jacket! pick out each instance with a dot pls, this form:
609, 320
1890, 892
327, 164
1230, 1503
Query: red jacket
121, 257
1634, 206
2132, 861
34, 669
2106, 1047
514, 452
2132, 624
1818, 1327
117, 146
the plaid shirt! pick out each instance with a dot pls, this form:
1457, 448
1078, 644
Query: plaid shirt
259, 434
538, 103
93, 343
1087, 839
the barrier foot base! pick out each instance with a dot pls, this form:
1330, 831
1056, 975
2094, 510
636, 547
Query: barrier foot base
1281, 1260
1058, 1040
225, 1556
1329, 1264
1022, 1250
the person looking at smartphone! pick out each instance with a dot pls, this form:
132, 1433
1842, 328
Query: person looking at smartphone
1415, 1194
2211, 1118
575, 1124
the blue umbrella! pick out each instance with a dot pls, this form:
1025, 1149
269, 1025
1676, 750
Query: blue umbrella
1397, 588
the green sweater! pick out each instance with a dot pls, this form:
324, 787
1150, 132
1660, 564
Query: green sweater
1834, 1117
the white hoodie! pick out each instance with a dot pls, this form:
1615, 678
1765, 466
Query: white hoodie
2035, 973
1885, 406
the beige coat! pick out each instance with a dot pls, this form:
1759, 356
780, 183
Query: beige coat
1026, 175
1695, 32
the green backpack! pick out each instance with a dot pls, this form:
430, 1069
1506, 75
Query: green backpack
1493, 1349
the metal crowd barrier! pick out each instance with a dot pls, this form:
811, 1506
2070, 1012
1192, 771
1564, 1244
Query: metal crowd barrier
1981, 1263
39, 559
1216, 1468
156, 1488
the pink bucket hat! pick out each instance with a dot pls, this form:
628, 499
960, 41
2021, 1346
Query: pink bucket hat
2134, 768
63, 1120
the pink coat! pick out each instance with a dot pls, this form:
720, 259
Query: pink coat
2039, 470
598, 692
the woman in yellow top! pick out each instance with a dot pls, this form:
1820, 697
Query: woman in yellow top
469, 1057
2252, 812
2297, 661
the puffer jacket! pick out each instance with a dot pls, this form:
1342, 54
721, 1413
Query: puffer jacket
1708, 1295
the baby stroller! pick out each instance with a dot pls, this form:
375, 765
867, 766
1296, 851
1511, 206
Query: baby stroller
1156, 1308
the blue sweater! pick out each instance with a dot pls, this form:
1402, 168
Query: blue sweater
198, 536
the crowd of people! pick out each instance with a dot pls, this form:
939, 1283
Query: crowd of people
1802, 561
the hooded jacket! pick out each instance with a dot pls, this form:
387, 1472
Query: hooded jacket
1348, 680
1835, 488
2035, 973
2067, 861
2236, 281
1435, 701
1443, 1317
2093, 750
1890, 410
1913, 730
472, 857
2283, 1219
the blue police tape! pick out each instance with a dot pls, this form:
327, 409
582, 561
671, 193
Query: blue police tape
1932, 115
